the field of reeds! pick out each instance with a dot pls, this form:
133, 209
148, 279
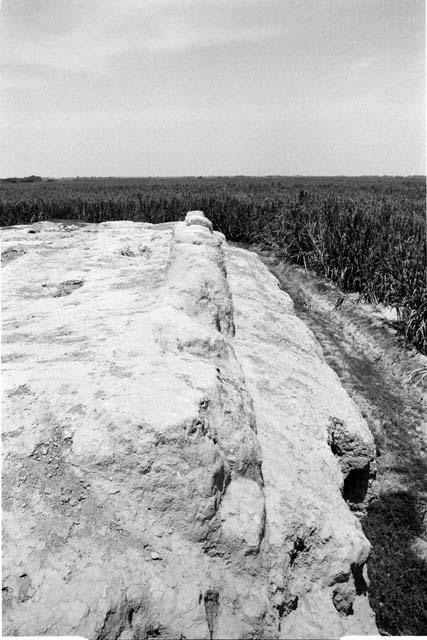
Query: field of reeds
368, 234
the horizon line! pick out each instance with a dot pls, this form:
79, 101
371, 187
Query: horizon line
210, 176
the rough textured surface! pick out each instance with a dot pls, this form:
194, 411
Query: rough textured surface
178, 458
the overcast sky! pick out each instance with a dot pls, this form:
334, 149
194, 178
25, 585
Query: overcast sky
212, 87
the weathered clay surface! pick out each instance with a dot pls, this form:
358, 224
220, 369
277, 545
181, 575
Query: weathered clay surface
178, 459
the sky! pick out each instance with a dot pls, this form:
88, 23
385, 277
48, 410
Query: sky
212, 87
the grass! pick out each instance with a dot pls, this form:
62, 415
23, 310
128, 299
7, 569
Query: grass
366, 234
398, 578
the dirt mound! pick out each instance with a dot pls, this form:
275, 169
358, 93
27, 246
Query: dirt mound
179, 459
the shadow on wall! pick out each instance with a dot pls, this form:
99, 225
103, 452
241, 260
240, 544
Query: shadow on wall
398, 576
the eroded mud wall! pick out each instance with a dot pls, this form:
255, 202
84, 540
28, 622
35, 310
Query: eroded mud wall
178, 459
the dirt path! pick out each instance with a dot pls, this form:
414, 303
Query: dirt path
386, 382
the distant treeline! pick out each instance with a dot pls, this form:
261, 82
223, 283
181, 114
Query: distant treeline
26, 179
366, 234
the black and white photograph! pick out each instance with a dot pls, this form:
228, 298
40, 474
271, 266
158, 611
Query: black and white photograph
213, 319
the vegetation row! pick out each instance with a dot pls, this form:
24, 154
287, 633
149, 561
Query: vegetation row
366, 234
